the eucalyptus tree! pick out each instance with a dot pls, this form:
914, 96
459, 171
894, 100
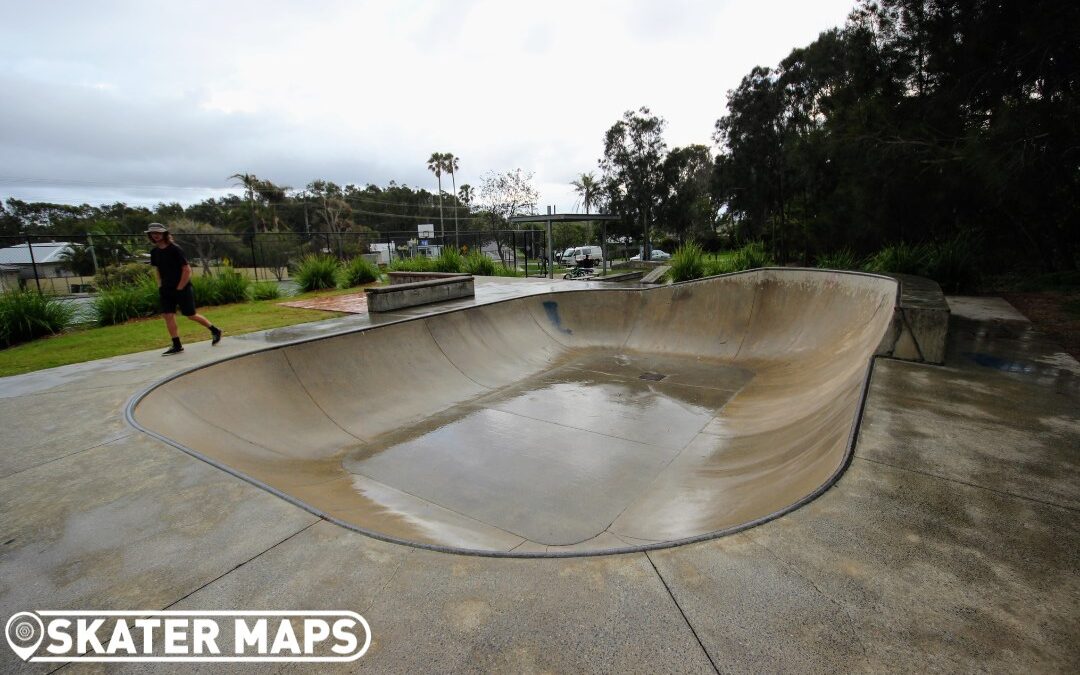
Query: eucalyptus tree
632, 166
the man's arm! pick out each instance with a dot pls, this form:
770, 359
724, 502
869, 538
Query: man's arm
185, 276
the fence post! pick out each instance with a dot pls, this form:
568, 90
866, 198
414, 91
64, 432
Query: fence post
33, 263
254, 262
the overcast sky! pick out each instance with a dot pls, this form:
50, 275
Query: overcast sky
150, 101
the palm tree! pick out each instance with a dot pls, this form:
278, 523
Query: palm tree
436, 165
450, 164
588, 189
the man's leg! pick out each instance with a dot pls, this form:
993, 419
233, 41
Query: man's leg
170, 323
215, 332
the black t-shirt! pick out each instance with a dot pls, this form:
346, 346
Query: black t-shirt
170, 262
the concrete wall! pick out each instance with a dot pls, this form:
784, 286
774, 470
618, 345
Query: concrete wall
412, 293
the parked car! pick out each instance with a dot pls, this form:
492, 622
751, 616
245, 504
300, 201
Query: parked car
656, 255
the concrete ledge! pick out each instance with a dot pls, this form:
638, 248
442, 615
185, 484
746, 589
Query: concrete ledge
397, 278
409, 289
656, 276
920, 324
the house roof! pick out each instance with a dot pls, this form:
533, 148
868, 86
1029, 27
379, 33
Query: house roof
48, 252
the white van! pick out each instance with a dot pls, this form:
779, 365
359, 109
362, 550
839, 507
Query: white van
595, 255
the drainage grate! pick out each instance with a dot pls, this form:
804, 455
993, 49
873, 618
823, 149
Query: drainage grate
652, 377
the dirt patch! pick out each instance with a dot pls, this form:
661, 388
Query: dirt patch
1052, 312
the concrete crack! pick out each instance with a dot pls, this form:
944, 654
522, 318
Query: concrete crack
682, 613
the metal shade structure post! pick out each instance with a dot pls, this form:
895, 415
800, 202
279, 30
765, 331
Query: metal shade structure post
550, 218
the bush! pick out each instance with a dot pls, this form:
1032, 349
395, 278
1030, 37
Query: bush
902, 258
416, 264
844, 259
316, 272
504, 271
130, 274
687, 263
449, 261
123, 303
753, 256
358, 271
479, 264
26, 315
265, 290
952, 264
231, 287
750, 256
207, 292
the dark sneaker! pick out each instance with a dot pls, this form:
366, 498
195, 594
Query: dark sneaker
215, 336
172, 350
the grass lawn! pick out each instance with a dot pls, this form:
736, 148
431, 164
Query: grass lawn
89, 343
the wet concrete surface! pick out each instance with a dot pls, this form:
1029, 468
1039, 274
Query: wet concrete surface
910, 563
592, 421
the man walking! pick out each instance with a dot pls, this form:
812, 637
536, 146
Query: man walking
174, 286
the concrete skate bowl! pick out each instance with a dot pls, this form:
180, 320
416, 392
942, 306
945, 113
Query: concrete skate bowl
573, 423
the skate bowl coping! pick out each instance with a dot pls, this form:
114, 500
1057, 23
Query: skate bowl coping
570, 423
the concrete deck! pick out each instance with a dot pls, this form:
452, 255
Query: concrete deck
950, 543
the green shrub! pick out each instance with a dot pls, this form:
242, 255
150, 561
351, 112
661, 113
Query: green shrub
449, 261
687, 263
316, 272
844, 259
723, 263
231, 287
504, 271
123, 303
358, 271
902, 258
26, 315
265, 290
130, 274
952, 264
753, 256
479, 264
207, 292
415, 264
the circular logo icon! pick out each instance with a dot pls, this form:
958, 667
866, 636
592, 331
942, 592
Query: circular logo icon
24, 633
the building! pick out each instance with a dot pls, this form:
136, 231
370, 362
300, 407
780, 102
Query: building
48, 259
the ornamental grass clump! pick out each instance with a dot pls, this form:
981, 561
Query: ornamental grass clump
231, 287
415, 264
844, 259
26, 315
479, 264
316, 272
449, 261
358, 271
688, 262
120, 304
902, 258
265, 290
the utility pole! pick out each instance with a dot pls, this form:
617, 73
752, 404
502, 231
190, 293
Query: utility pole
550, 257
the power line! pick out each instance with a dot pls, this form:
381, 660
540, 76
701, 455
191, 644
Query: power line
240, 188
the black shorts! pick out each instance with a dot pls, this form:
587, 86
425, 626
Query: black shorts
170, 298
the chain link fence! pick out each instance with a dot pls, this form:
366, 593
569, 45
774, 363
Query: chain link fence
83, 263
